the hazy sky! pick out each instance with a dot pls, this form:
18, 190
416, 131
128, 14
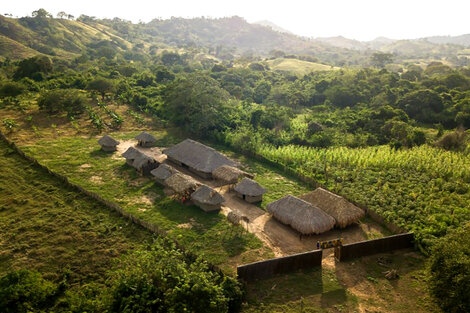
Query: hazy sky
360, 19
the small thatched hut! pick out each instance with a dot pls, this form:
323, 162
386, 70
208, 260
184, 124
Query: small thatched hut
301, 215
198, 158
108, 143
249, 190
145, 140
131, 154
343, 211
181, 184
228, 175
207, 199
163, 172
144, 164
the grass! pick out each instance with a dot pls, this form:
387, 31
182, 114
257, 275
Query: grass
48, 227
296, 66
207, 235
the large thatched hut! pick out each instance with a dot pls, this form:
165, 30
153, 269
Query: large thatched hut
181, 184
228, 175
108, 143
145, 140
144, 164
131, 154
301, 215
343, 211
163, 172
249, 190
198, 158
207, 199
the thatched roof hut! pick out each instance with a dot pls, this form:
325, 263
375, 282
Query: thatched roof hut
343, 211
207, 199
181, 183
131, 154
108, 143
163, 172
229, 175
145, 139
144, 164
199, 158
249, 190
301, 215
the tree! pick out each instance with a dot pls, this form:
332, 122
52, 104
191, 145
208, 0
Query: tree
11, 89
41, 13
422, 105
380, 59
34, 68
61, 14
102, 86
449, 271
71, 101
197, 103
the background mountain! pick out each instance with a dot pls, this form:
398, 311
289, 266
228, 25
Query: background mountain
273, 26
463, 40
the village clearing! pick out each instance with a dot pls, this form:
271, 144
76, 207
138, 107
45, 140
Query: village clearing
357, 286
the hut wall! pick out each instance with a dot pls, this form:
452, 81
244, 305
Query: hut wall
145, 144
374, 246
109, 148
129, 161
207, 207
146, 169
201, 174
272, 267
251, 199
174, 161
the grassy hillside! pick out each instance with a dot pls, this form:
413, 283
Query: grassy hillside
298, 67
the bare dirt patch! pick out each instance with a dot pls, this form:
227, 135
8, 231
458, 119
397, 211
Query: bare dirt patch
96, 179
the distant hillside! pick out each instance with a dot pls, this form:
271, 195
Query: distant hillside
463, 40
273, 26
343, 42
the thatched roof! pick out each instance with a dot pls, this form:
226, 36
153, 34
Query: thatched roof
181, 183
145, 137
249, 187
198, 156
142, 160
131, 153
207, 195
343, 211
229, 174
301, 215
163, 171
108, 141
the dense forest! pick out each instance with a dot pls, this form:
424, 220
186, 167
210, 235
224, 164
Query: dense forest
392, 138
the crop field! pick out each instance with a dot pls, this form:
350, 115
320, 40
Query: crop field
424, 189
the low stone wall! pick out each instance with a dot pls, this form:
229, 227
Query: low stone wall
283, 265
374, 246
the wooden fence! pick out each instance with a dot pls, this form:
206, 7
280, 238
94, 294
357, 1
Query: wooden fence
374, 246
269, 268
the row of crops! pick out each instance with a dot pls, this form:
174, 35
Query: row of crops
423, 189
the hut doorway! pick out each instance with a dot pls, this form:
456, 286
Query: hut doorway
244, 197
184, 166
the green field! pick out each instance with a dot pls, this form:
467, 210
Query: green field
48, 227
298, 67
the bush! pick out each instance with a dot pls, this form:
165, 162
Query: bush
449, 270
456, 140
25, 291
162, 280
11, 89
71, 101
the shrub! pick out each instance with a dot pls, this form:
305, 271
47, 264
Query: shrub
163, 280
453, 141
449, 270
11, 89
25, 291
71, 101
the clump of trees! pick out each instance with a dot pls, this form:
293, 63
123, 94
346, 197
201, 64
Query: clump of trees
70, 101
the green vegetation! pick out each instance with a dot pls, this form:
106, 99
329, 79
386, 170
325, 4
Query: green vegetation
296, 66
449, 268
76, 245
